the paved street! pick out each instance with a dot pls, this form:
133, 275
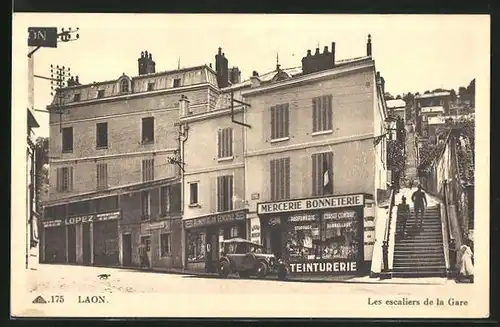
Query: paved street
51, 278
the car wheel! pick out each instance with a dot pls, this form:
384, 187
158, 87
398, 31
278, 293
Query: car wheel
261, 269
224, 269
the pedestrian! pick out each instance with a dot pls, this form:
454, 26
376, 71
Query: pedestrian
403, 214
143, 256
419, 204
465, 263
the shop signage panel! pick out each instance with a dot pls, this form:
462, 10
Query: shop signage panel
369, 229
335, 267
153, 226
350, 214
215, 219
92, 218
52, 223
329, 202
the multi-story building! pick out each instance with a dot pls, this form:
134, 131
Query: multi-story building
397, 108
115, 167
312, 170
427, 105
214, 176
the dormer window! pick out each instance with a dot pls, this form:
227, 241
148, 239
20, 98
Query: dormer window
151, 86
76, 97
100, 94
177, 82
124, 86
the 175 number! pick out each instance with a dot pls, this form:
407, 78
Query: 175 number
57, 299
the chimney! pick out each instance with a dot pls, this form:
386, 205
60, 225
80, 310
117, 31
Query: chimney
317, 52
255, 80
221, 67
234, 75
369, 46
183, 106
333, 54
255, 73
325, 50
146, 63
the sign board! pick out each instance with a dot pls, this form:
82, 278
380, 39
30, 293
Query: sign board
324, 267
52, 223
329, 202
154, 226
255, 235
42, 37
83, 219
216, 219
369, 229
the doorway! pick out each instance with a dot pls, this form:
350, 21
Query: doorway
276, 241
146, 241
86, 244
127, 250
212, 250
72, 244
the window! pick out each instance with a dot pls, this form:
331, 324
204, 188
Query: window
108, 203
322, 113
76, 97
196, 241
102, 135
279, 122
164, 200
148, 130
225, 143
234, 232
102, 176
441, 102
224, 193
65, 179
148, 172
165, 244
322, 173
177, 82
280, 179
146, 204
80, 208
100, 93
170, 199
124, 86
193, 193
67, 139
151, 86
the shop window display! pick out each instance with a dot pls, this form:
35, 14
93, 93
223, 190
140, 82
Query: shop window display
196, 241
334, 235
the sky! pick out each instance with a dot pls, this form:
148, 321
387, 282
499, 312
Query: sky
414, 53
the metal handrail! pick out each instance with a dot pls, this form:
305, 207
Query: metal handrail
385, 243
451, 239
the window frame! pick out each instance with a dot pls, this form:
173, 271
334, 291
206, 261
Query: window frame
191, 202
100, 94
77, 97
280, 129
61, 186
176, 83
97, 138
227, 204
145, 199
101, 167
148, 170
322, 114
144, 124
151, 86
168, 253
280, 192
318, 175
124, 86
225, 144
66, 149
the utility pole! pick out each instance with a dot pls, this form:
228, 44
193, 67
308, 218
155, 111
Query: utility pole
38, 37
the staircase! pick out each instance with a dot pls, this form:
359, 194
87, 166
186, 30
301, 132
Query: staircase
420, 253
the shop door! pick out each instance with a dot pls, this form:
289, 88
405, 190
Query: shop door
55, 244
72, 244
146, 241
276, 239
86, 244
127, 249
212, 251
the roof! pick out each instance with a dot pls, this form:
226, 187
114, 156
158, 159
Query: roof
396, 103
440, 120
432, 109
432, 95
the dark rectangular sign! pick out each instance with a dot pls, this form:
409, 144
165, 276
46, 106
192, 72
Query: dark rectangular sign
42, 37
215, 219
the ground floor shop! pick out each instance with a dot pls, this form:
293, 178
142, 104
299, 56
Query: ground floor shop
151, 244
321, 235
86, 240
204, 236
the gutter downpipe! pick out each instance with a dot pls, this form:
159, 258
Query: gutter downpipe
183, 136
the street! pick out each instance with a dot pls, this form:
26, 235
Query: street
74, 279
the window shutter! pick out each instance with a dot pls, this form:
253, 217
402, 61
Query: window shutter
287, 121
152, 165
314, 115
219, 192
273, 179
330, 113
287, 178
314, 174
230, 142
219, 143
70, 178
59, 180
229, 193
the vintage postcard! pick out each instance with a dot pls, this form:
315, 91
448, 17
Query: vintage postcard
250, 166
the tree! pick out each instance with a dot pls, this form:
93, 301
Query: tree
409, 98
388, 96
427, 92
471, 91
453, 95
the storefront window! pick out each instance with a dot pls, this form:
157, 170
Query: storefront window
333, 235
341, 235
303, 237
196, 241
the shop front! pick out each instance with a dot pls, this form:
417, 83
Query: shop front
322, 235
162, 240
85, 240
204, 236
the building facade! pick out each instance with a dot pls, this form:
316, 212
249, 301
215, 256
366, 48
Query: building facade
115, 167
313, 172
397, 108
32, 238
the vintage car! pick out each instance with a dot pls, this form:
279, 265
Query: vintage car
249, 259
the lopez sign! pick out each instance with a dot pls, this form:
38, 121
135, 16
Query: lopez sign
311, 204
90, 218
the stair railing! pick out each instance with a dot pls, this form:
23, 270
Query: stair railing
452, 250
385, 243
